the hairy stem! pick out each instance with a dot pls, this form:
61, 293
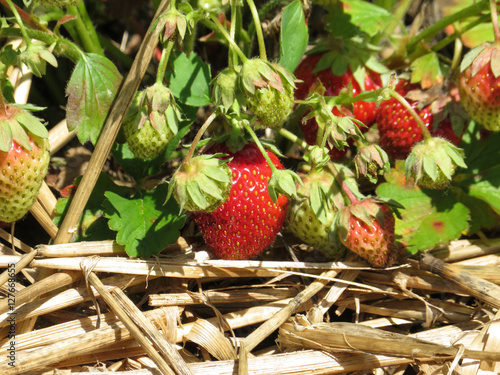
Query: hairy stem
19, 21
294, 138
223, 31
494, 20
197, 138
261, 148
84, 34
431, 31
162, 65
425, 132
258, 29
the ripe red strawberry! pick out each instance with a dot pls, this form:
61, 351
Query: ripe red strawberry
399, 131
367, 228
248, 222
479, 85
21, 175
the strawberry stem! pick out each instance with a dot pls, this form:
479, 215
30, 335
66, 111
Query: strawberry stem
344, 186
3, 105
425, 132
258, 29
294, 138
19, 21
85, 28
494, 20
259, 145
162, 65
224, 32
440, 25
233, 57
197, 138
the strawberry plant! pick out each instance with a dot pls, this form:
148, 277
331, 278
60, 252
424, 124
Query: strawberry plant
212, 134
401, 113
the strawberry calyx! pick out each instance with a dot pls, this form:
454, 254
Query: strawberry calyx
371, 161
485, 54
334, 129
152, 114
432, 163
203, 184
269, 92
226, 89
16, 123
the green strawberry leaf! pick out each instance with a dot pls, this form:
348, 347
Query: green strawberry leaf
485, 187
92, 225
190, 80
427, 70
428, 218
370, 18
294, 35
91, 91
482, 214
143, 225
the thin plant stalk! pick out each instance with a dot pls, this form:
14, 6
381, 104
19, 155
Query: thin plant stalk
197, 138
258, 29
261, 148
224, 32
494, 20
19, 22
84, 34
162, 65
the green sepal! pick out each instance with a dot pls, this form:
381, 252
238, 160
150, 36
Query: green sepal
283, 181
201, 185
432, 163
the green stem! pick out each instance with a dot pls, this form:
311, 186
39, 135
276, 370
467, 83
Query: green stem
446, 21
162, 65
457, 55
233, 57
84, 34
63, 46
89, 27
457, 34
294, 138
261, 148
494, 20
264, 10
197, 138
19, 22
425, 132
258, 29
223, 31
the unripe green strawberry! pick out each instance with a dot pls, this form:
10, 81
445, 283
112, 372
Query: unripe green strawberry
479, 85
311, 214
433, 162
151, 122
21, 175
269, 92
